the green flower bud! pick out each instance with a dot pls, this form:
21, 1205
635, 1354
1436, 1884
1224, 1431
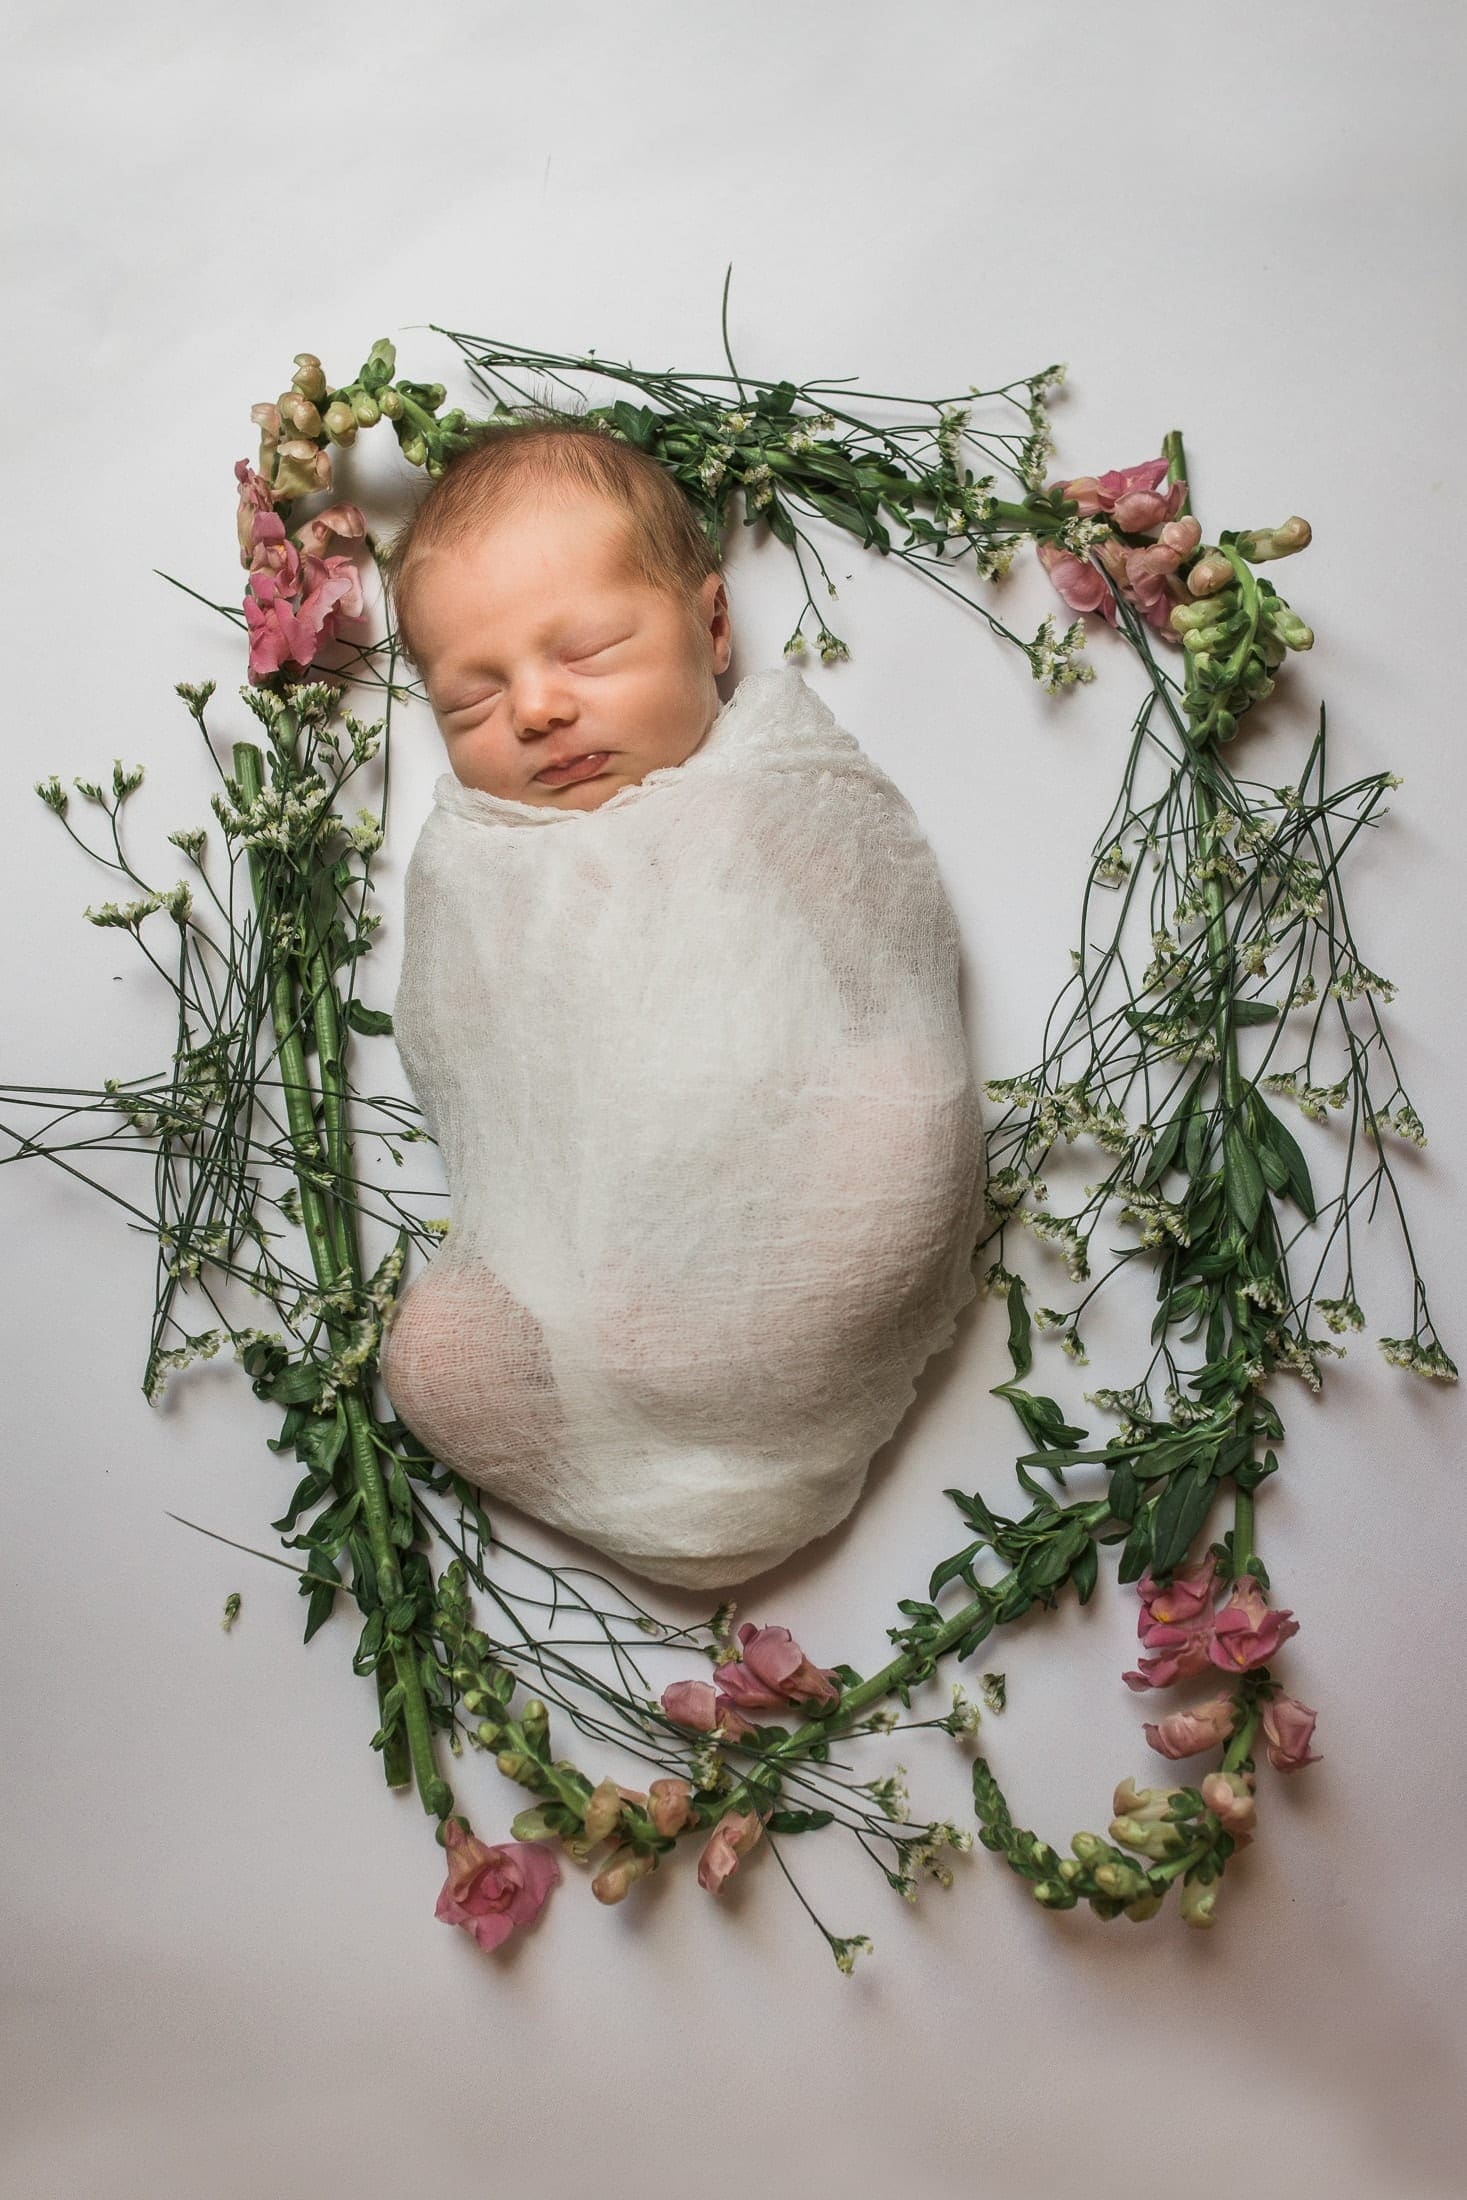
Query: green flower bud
365, 409
1216, 611
1199, 1903
545, 1822
535, 1720
1122, 1882
340, 422
490, 1732
1088, 1847
1144, 1906
514, 1764
1154, 1837
1260, 544
391, 404
435, 469
414, 450
308, 378
1054, 1894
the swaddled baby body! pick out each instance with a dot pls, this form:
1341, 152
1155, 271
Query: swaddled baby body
686, 1030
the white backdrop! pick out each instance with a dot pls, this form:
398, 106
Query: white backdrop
223, 1976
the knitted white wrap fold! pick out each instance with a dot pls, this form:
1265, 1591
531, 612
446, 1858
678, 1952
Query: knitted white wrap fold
696, 1066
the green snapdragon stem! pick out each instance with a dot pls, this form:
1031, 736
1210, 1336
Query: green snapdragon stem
1218, 958
335, 1258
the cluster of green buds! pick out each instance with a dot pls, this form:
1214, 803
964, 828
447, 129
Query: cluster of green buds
296, 429
1171, 1829
1238, 628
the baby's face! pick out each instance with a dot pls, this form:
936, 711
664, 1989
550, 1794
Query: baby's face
536, 646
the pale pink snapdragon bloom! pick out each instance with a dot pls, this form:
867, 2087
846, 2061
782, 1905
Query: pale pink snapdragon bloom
735, 1834
1289, 1726
1130, 495
1229, 1796
774, 1671
699, 1704
1188, 1733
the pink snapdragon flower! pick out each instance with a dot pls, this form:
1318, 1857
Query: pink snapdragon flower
1245, 1632
1131, 495
621, 1872
699, 1704
1077, 581
735, 1834
670, 1805
1184, 1597
1180, 1650
1188, 1733
774, 1671
493, 1891
1288, 1727
255, 496
297, 596
1133, 501
1230, 1797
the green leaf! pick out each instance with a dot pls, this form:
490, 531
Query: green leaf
1041, 1417
1180, 1512
1254, 1012
1019, 1327
1270, 1128
1083, 1573
957, 1568
1242, 1177
799, 1821
371, 1022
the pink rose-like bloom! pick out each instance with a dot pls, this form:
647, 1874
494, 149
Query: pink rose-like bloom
1186, 1595
1245, 1632
1188, 1733
733, 1837
493, 1891
1288, 1726
1181, 1650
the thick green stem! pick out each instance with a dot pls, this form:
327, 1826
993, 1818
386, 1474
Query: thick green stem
1219, 955
331, 1239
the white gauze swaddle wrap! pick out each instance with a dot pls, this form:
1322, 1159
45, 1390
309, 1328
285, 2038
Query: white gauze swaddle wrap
696, 1066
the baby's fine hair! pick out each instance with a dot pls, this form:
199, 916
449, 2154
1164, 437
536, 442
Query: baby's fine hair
540, 449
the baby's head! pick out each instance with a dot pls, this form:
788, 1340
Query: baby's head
560, 599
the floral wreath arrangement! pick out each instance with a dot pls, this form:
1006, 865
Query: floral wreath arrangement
1250, 945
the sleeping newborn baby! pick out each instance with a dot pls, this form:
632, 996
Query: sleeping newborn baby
679, 1003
